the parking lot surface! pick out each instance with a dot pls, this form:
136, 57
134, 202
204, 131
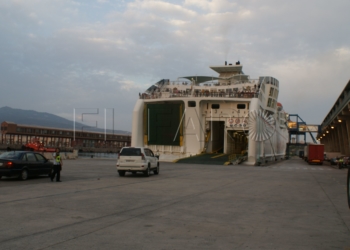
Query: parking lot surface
286, 205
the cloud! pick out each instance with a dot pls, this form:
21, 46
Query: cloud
343, 54
103, 53
127, 85
313, 84
161, 7
212, 6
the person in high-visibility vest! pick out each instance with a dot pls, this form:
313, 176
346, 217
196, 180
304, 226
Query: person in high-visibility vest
57, 165
340, 163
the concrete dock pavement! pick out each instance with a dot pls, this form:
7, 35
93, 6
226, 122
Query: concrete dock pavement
285, 205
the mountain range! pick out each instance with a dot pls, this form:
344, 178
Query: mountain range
43, 119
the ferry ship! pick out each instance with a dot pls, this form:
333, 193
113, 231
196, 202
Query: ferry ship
230, 113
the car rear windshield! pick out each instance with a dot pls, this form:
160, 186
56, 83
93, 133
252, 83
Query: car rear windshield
130, 152
11, 155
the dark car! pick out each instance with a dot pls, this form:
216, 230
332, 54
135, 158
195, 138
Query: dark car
348, 187
346, 162
334, 161
24, 164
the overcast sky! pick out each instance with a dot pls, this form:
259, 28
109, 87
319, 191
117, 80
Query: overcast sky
57, 55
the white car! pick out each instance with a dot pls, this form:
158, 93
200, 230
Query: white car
137, 159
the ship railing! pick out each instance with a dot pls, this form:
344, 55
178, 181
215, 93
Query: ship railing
178, 82
224, 94
158, 95
165, 83
205, 87
233, 88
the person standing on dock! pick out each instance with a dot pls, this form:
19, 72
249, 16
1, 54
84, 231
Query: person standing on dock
57, 165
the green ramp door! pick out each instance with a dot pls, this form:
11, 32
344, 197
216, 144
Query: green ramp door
162, 124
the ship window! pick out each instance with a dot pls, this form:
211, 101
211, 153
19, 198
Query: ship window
269, 102
191, 104
215, 106
271, 91
273, 104
241, 106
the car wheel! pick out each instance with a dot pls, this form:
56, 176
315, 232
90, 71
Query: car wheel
121, 173
24, 175
147, 172
348, 187
157, 169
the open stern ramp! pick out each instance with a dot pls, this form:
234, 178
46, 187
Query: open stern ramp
207, 159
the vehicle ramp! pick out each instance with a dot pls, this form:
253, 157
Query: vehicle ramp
236, 159
206, 158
